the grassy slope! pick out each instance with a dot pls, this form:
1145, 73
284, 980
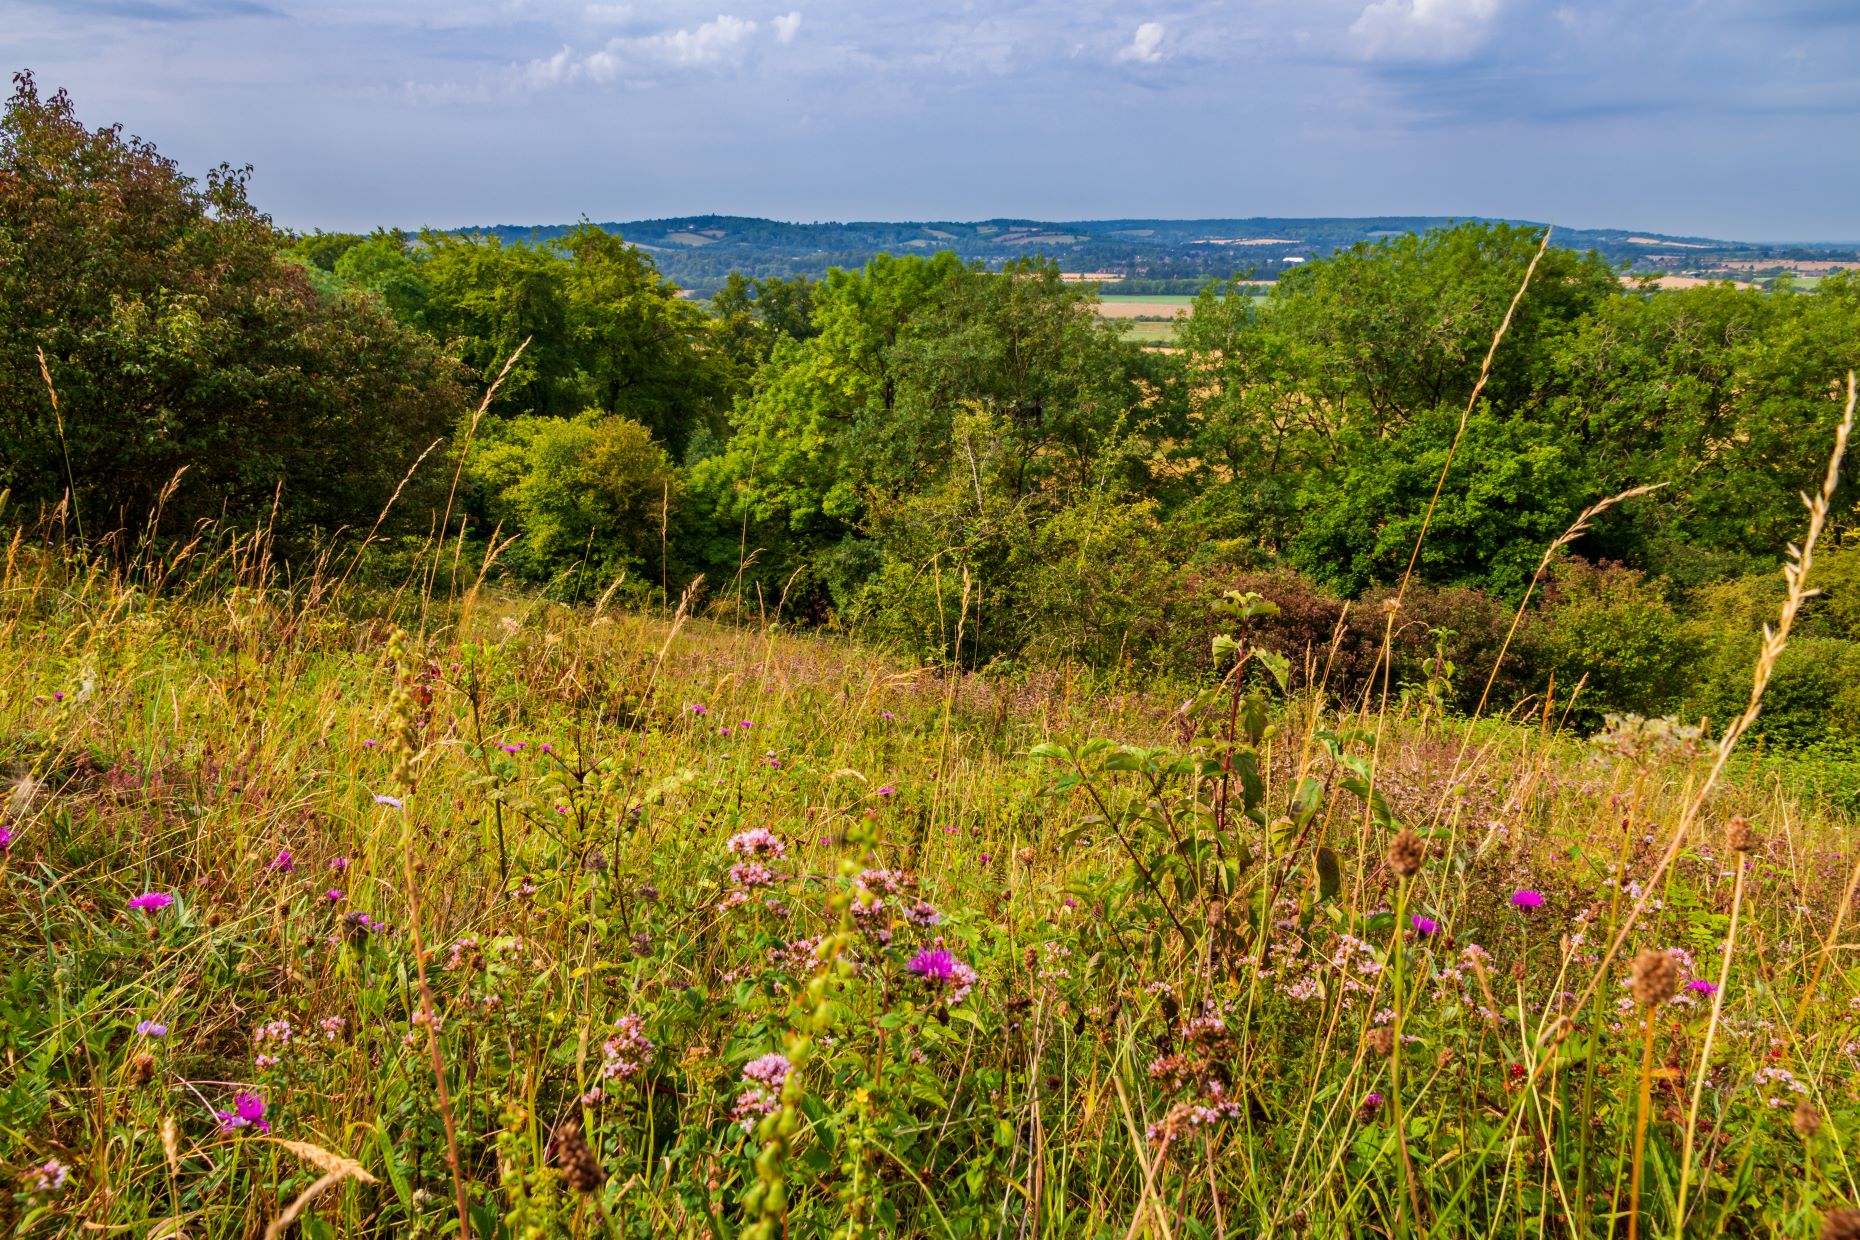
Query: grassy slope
562, 854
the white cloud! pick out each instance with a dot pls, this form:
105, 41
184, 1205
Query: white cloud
722, 40
785, 27
1146, 45
1424, 29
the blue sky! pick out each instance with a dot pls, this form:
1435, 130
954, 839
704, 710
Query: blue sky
1731, 118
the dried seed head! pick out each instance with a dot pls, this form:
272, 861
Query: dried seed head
1841, 1224
1406, 853
572, 1155
1026, 856
1807, 1120
1656, 978
142, 1067
1380, 1040
1739, 836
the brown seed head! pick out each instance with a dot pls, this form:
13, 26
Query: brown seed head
1026, 856
1739, 836
1656, 978
1841, 1224
142, 1067
1807, 1120
576, 1160
1380, 1040
1406, 853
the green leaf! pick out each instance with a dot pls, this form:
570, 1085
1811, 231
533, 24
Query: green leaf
1329, 874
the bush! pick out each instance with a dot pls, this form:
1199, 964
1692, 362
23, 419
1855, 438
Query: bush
1614, 630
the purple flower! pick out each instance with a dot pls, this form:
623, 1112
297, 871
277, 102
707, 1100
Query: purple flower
151, 1029
1527, 899
58, 695
984, 858
335, 895
887, 791
885, 714
370, 744
1425, 926
283, 863
933, 964
6, 840
248, 1112
382, 798
51, 1177
338, 863
152, 901
1701, 986
745, 725
696, 709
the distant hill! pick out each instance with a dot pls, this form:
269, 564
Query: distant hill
698, 251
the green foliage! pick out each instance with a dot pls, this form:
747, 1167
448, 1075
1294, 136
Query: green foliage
1615, 633
183, 350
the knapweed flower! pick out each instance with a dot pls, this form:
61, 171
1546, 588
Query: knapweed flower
758, 841
933, 964
370, 744
1425, 926
338, 863
335, 895
151, 1029
1699, 985
283, 862
1527, 899
698, 709
50, 1176
151, 901
887, 791
6, 840
885, 714
248, 1112
382, 798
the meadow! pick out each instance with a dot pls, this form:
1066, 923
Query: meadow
440, 910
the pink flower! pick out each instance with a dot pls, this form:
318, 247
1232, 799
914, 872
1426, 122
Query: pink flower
1527, 899
335, 895
282, 863
152, 901
248, 1112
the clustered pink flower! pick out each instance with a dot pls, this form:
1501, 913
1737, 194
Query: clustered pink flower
764, 1078
751, 874
627, 1051
758, 841
151, 901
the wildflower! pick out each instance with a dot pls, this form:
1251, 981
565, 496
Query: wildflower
335, 895
628, 1050
698, 709
151, 1029
923, 913
1425, 926
751, 874
338, 863
152, 901
885, 714
356, 928
1371, 1104
757, 841
1699, 985
248, 1112
370, 744
283, 862
1406, 853
6, 840
887, 791
332, 1027
933, 964
1655, 978
50, 1176
382, 798
1527, 899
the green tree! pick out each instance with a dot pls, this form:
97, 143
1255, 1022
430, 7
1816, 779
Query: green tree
182, 344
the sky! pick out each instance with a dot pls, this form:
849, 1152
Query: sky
1737, 119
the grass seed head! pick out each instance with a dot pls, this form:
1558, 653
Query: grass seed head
1656, 978
579, 1166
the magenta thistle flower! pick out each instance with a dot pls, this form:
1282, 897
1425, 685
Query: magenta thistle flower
1527, 899
338, 863
933, 964
6, 840
283, 862
248, 1112
887, 791
1425, 926
1700, 986
335, 895
151, 901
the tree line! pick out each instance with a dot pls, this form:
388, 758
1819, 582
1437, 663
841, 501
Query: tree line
964, 462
